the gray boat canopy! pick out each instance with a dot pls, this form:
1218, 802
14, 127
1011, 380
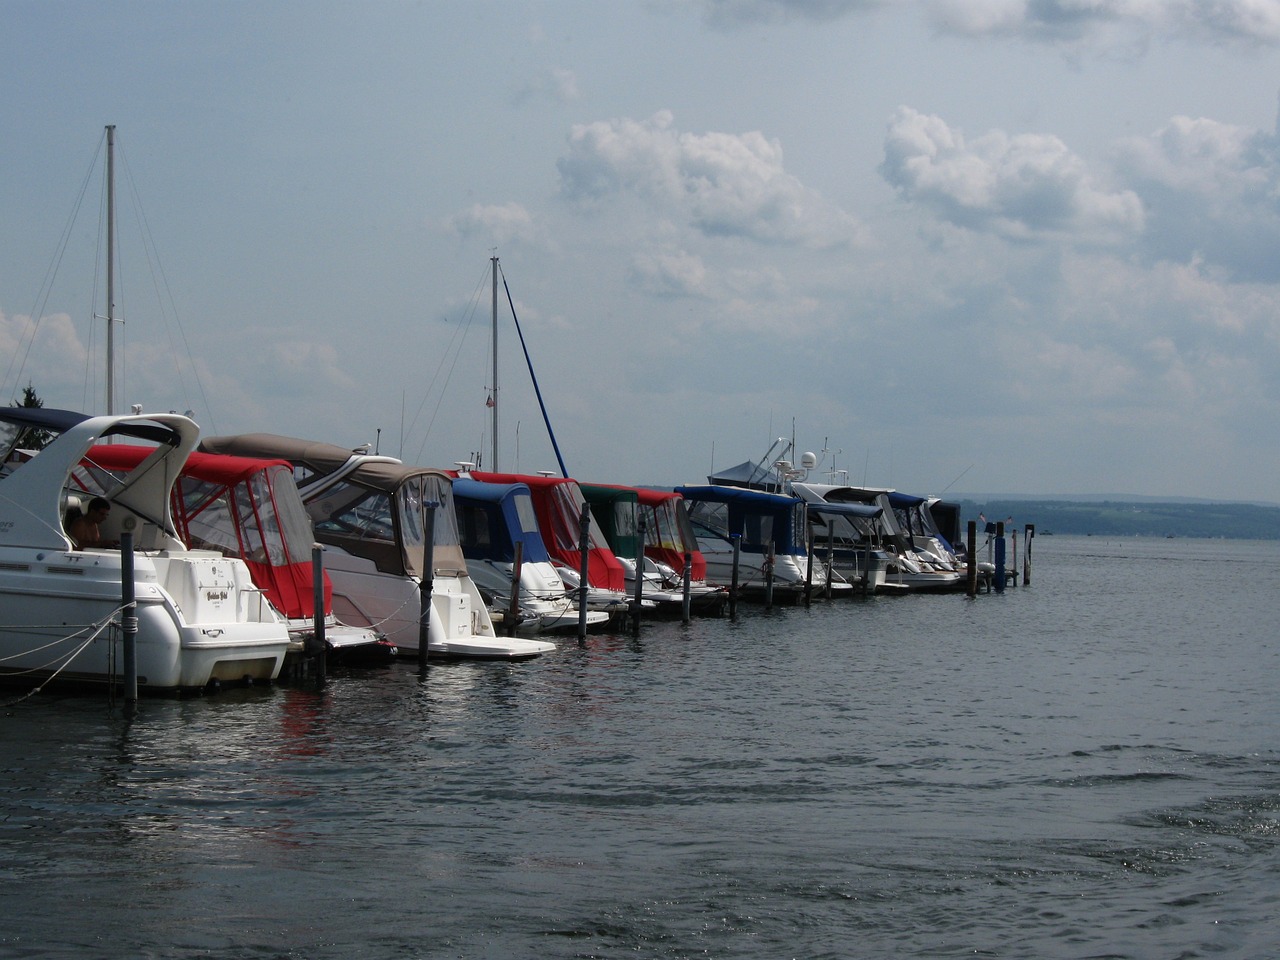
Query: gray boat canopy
372, 506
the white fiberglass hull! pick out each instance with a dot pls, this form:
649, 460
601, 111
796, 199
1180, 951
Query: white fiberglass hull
200, 619
459, 626
544, 607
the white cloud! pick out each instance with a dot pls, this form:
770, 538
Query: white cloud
1212, 191
496, 223
1021, 187
558, 85
669, 274
720, 184
1111, 22
50, 355
737, 13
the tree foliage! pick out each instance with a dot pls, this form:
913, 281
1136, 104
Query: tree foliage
32, 438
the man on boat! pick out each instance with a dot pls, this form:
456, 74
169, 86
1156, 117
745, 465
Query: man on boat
85, 529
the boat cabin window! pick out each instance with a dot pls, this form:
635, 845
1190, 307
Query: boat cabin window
354, 511
473, 527
757, 530
712, 516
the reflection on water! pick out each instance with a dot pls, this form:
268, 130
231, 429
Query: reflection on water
1082, 767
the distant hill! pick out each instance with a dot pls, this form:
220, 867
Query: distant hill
1127, 518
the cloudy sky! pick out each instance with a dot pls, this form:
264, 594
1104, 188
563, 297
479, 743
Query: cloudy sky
1024, 246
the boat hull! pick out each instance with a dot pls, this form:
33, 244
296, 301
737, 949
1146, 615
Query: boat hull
199, 620
459, 625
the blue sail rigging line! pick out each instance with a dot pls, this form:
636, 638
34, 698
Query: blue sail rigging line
534, 377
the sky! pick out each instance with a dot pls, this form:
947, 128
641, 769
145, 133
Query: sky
952, 247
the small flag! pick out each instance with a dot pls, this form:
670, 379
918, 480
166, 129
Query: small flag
489, 401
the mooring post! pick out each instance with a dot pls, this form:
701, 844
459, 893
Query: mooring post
736, 539
584, 544
687, 583
1028, 531
808, 570
831, 553
513, 608
1000, 546
972, 570
1013, 560
426, 581
128, 619
317, 613
768, 578
639, 591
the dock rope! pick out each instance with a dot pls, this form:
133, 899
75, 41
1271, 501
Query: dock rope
94, 631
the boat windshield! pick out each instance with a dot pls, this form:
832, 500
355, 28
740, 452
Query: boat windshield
10, 433
667, 526
410, 497
566, 510
351, 510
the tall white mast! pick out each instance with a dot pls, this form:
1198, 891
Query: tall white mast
493, 397
111, 264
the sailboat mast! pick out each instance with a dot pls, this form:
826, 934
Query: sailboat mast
111, 263
493, 397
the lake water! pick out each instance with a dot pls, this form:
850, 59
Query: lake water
1087, 766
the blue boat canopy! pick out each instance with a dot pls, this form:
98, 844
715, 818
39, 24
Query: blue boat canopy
721, 494
757, 517
897, 499
493, 517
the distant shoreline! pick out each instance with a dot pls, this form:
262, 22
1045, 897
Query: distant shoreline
1128, 518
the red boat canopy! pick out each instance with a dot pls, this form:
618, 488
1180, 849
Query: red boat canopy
241, 507
668, 535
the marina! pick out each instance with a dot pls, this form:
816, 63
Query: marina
396, 576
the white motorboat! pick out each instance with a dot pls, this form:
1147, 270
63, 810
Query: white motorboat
250, 508
200, 617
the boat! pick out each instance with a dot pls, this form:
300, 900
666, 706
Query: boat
910, 563
558, 505
370, 513
917, 521
250, 508
770, 529
493, 519
668, 541
846, 537
201, 620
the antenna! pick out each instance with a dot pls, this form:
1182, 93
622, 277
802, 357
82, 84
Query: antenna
956, 480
